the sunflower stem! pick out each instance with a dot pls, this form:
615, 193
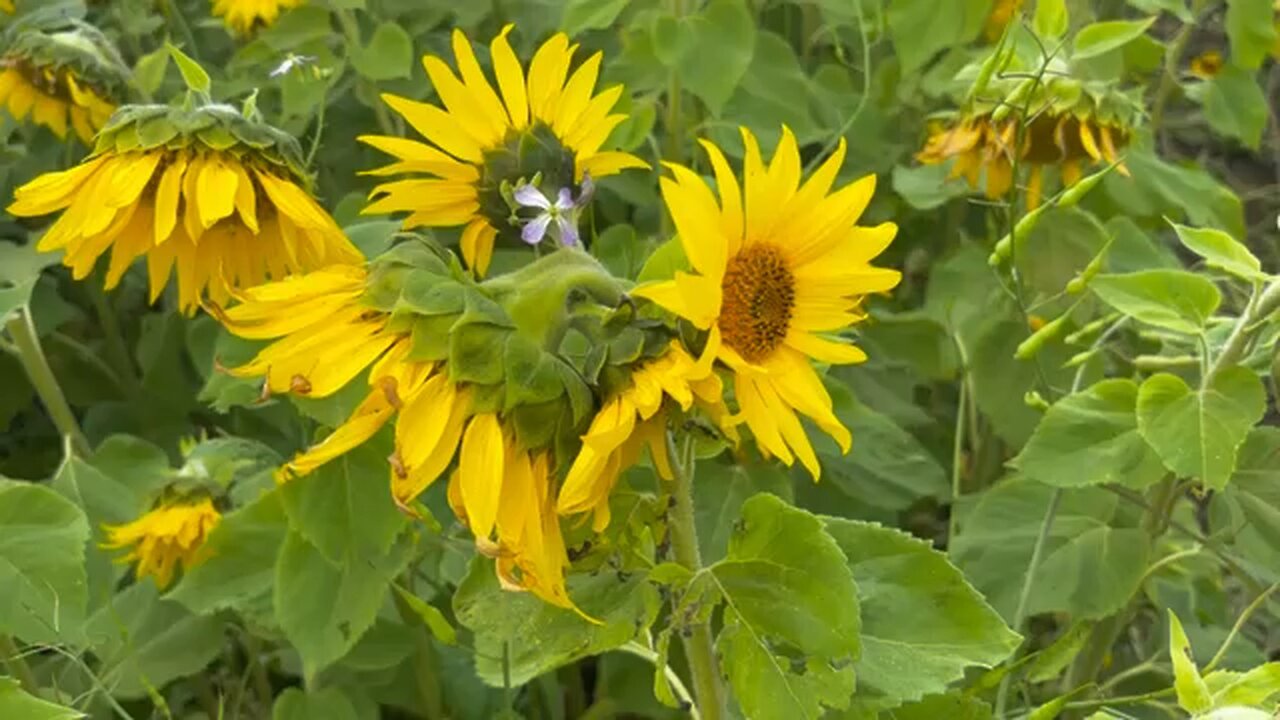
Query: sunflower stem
117, 350
23, 333
425, 666
17, 665
698, 645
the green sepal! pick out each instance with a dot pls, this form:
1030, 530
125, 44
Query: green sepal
531, 375
430, 337
476, 352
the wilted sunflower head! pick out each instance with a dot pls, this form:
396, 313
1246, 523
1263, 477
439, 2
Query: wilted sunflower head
209, 192
1207, 64
66, 79
474, 375
171, 534
1071, 125
245, 16
633, 419
547, 125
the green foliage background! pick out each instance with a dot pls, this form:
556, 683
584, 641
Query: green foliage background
1022, 511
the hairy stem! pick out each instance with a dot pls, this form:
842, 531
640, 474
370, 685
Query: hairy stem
22, 331
698, 645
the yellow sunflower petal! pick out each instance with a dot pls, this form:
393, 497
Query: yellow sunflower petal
480, 472
510, 79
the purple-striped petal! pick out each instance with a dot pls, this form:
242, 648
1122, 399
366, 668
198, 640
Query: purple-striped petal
568, 231
530, 196
535, 229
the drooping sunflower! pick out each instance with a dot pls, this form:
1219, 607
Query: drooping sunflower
170, 535
245, 16
62, 80
332, 325
481, 142
779, 267
215, 195
632, 421
1070, 125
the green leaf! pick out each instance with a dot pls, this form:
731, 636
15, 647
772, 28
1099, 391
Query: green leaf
582, 15
1103, 37
345, 508
241, 559
192, 74
788, 593
918, 612
324, 607
1172, 299
1051, 19
430, 616
20, 268
144, 641
325, 704
1251, 30
926, 187
42, 556
1235, 105
1255, 687
922, 28
540, 637
1253, 497
388, 56
1198, 432
1193, 694
718, 496
711, 50
1177, 8
1221, 251
14, 703
888, 467
952, 706
150, 69
1088, 567
1091, 438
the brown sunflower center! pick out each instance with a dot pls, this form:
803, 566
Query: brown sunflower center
759, 299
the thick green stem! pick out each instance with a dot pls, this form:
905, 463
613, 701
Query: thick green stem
17, 665
1264, 302
117, 349
1028, 583
683, 530
23, 333
425, 667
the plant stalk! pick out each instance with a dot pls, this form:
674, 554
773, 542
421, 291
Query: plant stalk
17, 665
698, 645
425, 667
23, 333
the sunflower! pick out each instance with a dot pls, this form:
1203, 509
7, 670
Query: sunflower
1067, 141
1207, 64
1002, 13
63, 81
631, 421
245, 16
329, 334
779, 265
171, 534
6, 6
225, 212
481, 144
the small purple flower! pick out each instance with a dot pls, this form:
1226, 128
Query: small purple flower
564, 212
